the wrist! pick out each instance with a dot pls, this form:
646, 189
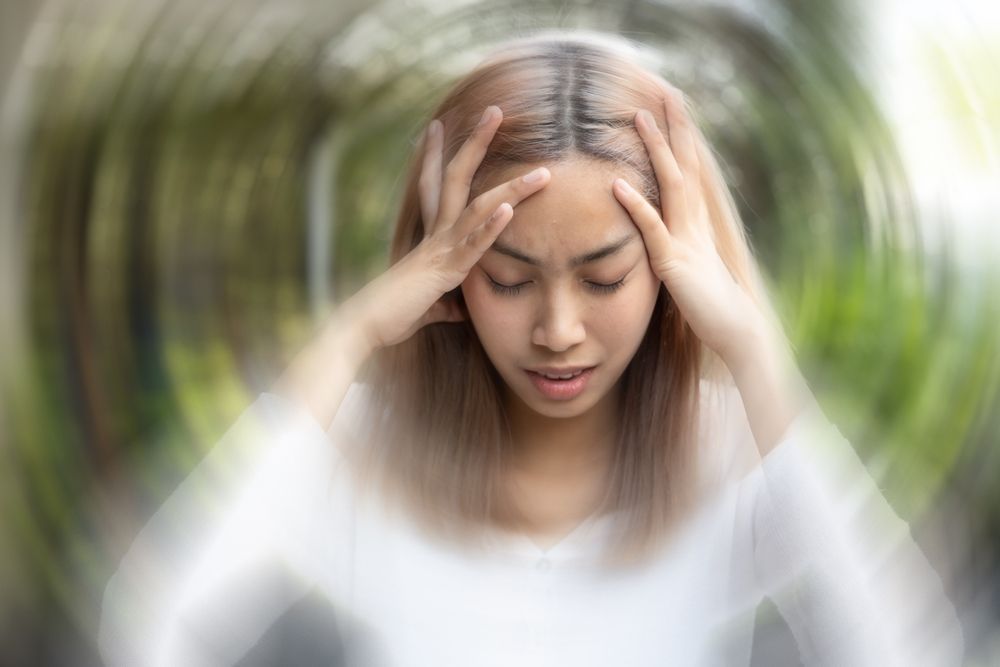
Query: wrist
349, 331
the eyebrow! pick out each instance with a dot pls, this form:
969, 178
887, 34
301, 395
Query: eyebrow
586, 258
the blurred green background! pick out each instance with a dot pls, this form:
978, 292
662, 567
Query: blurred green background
189, 187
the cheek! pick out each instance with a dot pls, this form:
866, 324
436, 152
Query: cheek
480, 302
647, 288
626, 317
492, 318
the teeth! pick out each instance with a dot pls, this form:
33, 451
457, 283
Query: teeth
560, 377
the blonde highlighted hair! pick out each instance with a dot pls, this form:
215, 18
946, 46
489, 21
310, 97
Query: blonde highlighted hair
440, 434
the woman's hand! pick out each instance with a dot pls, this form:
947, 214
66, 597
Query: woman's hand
456, 234
720, 312
681, 251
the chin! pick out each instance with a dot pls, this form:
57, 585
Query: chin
563, 411
553, 408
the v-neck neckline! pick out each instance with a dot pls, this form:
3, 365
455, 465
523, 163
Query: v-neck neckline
572, 545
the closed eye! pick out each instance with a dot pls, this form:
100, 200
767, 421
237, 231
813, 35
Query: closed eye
506, 290
513, 290
607, 288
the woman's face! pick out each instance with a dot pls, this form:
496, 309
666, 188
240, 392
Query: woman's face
566, 285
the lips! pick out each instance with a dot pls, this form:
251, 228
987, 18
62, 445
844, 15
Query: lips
559, 373
565, 384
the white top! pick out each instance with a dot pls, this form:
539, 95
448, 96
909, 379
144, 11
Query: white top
807, 527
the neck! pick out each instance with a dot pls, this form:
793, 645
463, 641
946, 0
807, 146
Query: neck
560, 447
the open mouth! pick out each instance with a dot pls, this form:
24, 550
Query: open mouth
568, 376
561, 386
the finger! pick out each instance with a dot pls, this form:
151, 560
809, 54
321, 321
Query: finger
513, 191
656, 236
681, 132
681, 135
429, 184
462, 168
669, 177
478, 240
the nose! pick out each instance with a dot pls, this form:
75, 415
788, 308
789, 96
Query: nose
559, 325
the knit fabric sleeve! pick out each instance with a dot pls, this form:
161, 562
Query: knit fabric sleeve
841, 566
233, 547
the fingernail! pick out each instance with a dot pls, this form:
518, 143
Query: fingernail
623, 185
497, 213
435, 127
487, 115
535, 176
647, 118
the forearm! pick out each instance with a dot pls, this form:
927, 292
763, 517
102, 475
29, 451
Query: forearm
320, 374
767, 377
249, 509
829, 548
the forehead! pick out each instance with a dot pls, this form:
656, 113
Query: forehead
576, 212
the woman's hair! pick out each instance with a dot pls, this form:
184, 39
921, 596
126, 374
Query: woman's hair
441, 454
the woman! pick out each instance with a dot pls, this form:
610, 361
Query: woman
580, 438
